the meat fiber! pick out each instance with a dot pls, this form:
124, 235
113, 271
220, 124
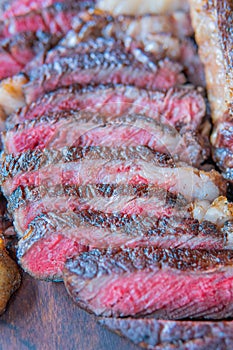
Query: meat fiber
26, 203
175, 284
16, 52
138, 7
159, 38
87, 129
179, 107
54, 19
111, 66
82, 166
170, 335
88, 228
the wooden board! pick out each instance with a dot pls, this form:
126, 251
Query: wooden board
41, 316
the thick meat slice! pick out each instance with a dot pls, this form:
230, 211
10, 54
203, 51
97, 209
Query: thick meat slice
175, 284
55, 19
213, 23
26, 203
179, 107
110, 66
87, 129
89, 228
132, 165
138, 7
168, 335
15, 8
16, 52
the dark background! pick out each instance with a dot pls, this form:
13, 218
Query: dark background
42, 316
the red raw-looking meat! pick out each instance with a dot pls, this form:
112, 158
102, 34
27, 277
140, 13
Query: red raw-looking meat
175, 284
133, 165
26, 203
96, 229
88, 129
112, 66
54, 19
183, 106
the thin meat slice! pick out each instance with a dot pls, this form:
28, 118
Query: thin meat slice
110, 66
133, 165
167, 335
16, 52
54, 19
26, 203
175, 284
21, 7
179, 107
90, 229
87, 129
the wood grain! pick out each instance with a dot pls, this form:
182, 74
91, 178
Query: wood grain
41, 316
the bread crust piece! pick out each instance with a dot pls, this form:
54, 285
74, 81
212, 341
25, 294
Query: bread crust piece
213, 25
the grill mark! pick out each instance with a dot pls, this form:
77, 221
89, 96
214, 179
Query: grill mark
132, 225
24, 195
120, 261
34, 160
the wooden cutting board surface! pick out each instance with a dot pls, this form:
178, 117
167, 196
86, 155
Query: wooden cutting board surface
42, 316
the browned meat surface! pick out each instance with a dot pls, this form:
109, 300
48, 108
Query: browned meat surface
213, 24
111, 66
170, 335
174, 284
179, 107
87, 129
54, 237
88, 165
9, 277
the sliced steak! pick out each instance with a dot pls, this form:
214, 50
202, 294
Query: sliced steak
88, 129
26, 203
133, 165
154, 38
54, 19
167, 335
110, 66
175, 284
16, 52
183, 106
97, 229
16, 8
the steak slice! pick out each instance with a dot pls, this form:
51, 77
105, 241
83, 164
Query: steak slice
132, 165
55, 19
88, 129
17, 51
168, 335
69, 230
26, 203
111, 66
174, 284
179, 107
